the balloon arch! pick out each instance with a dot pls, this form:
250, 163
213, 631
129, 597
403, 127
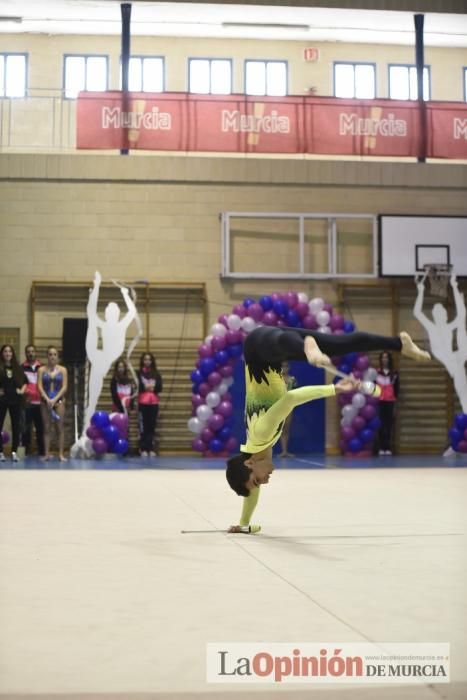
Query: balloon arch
211, 419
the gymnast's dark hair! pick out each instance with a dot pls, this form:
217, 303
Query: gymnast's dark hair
237, 473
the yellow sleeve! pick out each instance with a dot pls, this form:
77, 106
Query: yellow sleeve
267, 424
249, 505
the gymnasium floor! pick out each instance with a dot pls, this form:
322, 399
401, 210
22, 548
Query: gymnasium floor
101, 596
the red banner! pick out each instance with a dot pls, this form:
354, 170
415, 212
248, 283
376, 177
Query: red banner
246, 124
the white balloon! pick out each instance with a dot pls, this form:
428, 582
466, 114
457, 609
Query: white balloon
228, 381
195, 425
213, 399
368, 387
302, 297
349, 411
358, 400
370, 375
218, 329
234, 322
248, 324
207, 340
322, 317
204, 412
345, 421
222, 388
315, 305
324, 329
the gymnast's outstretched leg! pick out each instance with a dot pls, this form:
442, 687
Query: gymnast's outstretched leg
271, 346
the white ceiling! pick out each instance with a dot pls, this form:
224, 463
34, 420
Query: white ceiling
206, 20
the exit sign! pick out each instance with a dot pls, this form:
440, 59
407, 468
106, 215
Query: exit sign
311, 54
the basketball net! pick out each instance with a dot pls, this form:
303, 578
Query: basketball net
438, 276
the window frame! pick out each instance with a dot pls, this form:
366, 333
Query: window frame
408, 66
5, 54
354, 64
85, 56
210, 59
266, 61
142, 57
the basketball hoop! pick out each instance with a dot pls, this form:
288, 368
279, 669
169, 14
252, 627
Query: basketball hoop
438, 276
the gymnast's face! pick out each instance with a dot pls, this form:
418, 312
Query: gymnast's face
261, 469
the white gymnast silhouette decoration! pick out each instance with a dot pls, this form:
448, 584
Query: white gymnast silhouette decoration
448, 340
102, 355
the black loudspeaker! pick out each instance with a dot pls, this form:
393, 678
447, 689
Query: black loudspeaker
74, 340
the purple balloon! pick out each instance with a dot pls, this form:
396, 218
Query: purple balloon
225, 408
358, 423
99, 446
462, 446
328, 308
232, 444
302, 309
347, 433
343, 445
226, 370
214, 379
5, 437
357, 373
344, 399
222, 319
120, 421
196, 400
218, 342
270, 318
204, 350
275, 296
198, 445
206, 435
281, 324
255, 311
216, 422
292, 299
336, 322
233, 337
92, 432
227, 396
362, 363
204, 389
368, 412
239, 310
309, 321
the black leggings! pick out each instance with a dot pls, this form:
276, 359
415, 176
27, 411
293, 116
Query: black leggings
386, 415
147, 426
33, 415
266, 346
15, 418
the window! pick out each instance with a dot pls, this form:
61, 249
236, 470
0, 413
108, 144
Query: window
145, 74
210, 76
85, 73
266, 78
403, 82
12, 74
355, 80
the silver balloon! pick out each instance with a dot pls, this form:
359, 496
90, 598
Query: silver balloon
358, 400
204, 412
195, 425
